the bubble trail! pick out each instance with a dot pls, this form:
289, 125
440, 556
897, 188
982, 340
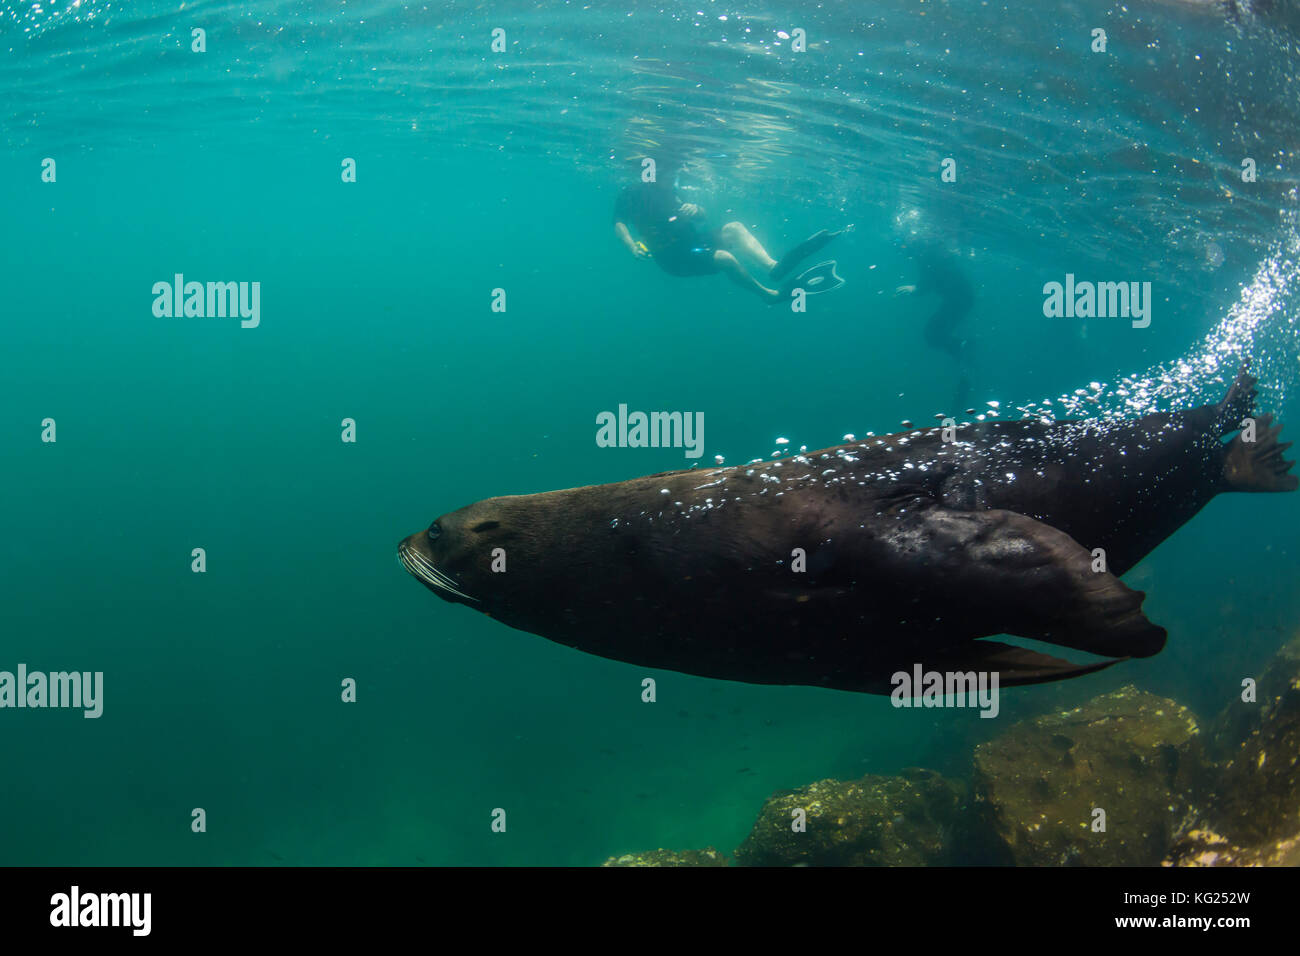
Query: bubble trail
1263, 325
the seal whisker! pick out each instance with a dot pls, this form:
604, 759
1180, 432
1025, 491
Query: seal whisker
422, 568
414, 564
419, 567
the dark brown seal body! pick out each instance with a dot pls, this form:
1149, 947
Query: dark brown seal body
913, 548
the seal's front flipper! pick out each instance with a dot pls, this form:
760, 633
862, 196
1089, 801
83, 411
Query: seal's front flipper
1010, 574
1013, 665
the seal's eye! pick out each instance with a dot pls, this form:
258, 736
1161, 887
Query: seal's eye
435, 529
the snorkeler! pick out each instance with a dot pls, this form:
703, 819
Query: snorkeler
672, 233
939, 274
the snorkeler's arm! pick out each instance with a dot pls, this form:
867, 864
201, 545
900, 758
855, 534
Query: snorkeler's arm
625, 236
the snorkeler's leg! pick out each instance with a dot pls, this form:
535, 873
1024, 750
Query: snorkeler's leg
964, 365
939, 332
740, 239
730, 266
941, 335
962, 396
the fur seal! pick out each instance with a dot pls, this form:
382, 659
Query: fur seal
915, 549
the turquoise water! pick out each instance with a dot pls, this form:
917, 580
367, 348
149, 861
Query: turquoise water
478, 171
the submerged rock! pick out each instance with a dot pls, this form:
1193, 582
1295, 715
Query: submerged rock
706, 857
1207, 848
904, 820
1133, 755
1256, 799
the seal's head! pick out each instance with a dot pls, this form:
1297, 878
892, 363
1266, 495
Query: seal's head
462, 555
444, 556
562, 564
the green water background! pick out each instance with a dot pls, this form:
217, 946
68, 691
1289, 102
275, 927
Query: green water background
223, 688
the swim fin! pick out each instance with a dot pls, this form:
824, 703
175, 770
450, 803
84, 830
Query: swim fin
816, 279
814, 243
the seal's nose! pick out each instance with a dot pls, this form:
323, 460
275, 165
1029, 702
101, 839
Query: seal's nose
404, 547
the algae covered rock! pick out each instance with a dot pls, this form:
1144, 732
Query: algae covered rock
1134, 757
1206, 848
705, 857
1257, 794
904, 820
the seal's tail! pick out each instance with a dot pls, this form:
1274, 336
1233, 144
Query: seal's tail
1254, 461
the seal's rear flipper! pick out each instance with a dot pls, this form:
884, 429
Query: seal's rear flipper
1239, 403
1015, 575
1258, 465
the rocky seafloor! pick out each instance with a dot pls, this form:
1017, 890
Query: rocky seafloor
1126, 779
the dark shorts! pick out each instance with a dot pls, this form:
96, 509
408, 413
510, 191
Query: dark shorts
689, 258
